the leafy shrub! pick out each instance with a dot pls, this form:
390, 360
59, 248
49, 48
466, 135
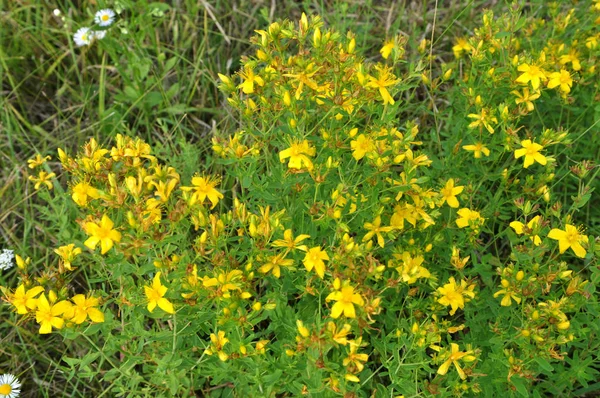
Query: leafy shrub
342, 251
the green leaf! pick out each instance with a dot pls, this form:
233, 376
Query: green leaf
71, 361
520, 386
88, 359
544, 364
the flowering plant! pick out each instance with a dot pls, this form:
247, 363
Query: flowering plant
338, 246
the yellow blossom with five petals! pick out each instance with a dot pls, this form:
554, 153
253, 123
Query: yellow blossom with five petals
203, 188
299, 153
569, 238
531, 73
314, 258
449, 193
155, 295
532, 154
477, 149
102, 233
345, 300
48, 314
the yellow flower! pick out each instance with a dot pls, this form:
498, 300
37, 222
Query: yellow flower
261, 346
456, 261
68, 254
275, 263
562, 79
569, 238
22, 264
483, 119
375, 229
204, 187
532, 154
218, 342
384, 79
361, 146
461, 46
299, 153
43, 178
469, 218
23, 300
314, 259
82, 192
477, 150
345, 300
37, 161
249, 79
531, 226
526, 98
164, 188
303, 330
453, 358
387, 48
102, 233
83, 308
155, 295
454, 295
573, 58
354, 360
412, 269
449, 193
48, 315
305, 78
290, 242
340, 336
531, 73
508, 293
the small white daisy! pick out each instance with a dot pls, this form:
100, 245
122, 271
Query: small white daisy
104, 17
83, 37
9, 386
6, 259
99, 34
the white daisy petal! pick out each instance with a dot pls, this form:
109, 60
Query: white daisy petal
9, 386
82, 37
99, 34
104, 17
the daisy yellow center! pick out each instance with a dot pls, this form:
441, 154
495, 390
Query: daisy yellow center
5, 389
105, 17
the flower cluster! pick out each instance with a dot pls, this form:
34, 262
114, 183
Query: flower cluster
86, 35
6, 259
331, 235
